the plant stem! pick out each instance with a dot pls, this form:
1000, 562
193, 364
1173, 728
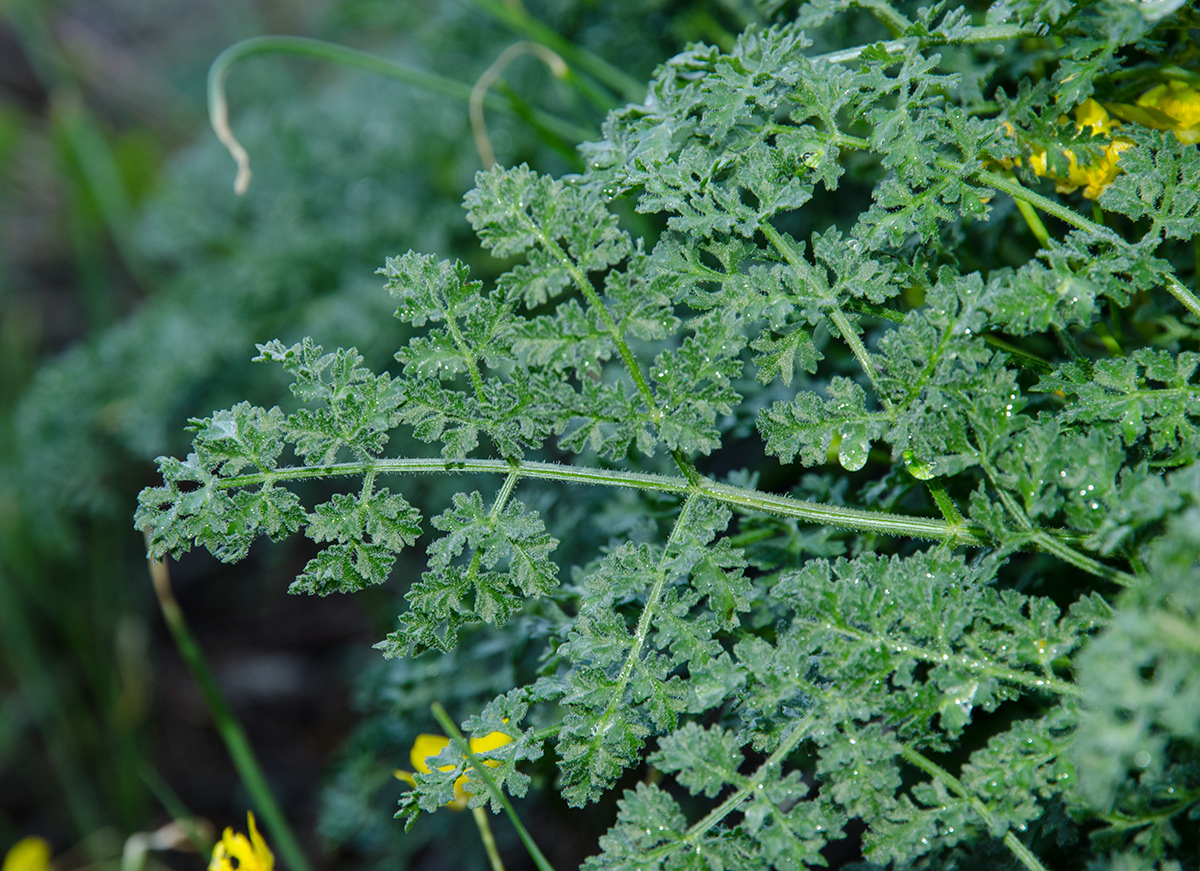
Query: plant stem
218, 109
740, 497
1051, 545
1023, 195
240, 751
1183, 294
643, 627
1019, 192
895, 21
456, 735
489, 840
787, 247
986, 33
1033, 221
483, 143
618, 80
1024, 855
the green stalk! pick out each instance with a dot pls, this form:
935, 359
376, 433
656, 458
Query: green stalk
787, 247
619, 81
739, 497
1019, 192
1051, 545
1185, 296
1034, 222
451, 729
218, 109
230, 730
985, 33
1024, 855
895, 22
489, 840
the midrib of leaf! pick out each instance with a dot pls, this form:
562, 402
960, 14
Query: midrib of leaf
787, 248
1049, 544
1019, 678
749, 786
741, 497
467, 354
686, 466
642, 632
1024, 855
502, 497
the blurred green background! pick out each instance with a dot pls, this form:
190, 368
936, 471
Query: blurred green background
134, 285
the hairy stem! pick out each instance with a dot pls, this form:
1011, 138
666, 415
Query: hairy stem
1015, 845
1063, 551
456, 735
1185, 296
787, 247
985, 33
738, 497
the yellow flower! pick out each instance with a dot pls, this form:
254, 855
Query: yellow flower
1100, 173
428, 746
1178, 109
236, 852
28, 854
1097, 175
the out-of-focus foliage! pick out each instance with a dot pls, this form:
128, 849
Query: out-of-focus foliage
812, 247
177, 279
840, 263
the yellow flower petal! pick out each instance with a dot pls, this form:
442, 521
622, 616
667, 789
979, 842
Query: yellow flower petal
236, 852
1091, 114
266, 859
1104, 168
426, 746
489, 742
1181, 106
28, 854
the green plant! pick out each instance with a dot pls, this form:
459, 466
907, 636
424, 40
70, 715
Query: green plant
986, 650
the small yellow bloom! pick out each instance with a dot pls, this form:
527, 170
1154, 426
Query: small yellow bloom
1181, 106
1097, 175
28, 854
428, 746
1100, 173
234, 852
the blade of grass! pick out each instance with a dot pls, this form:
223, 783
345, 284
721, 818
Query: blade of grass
28, 666
230, 730
621, 83
218, 108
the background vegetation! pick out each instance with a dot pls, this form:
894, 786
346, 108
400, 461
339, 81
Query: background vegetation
133, 286
136, 287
